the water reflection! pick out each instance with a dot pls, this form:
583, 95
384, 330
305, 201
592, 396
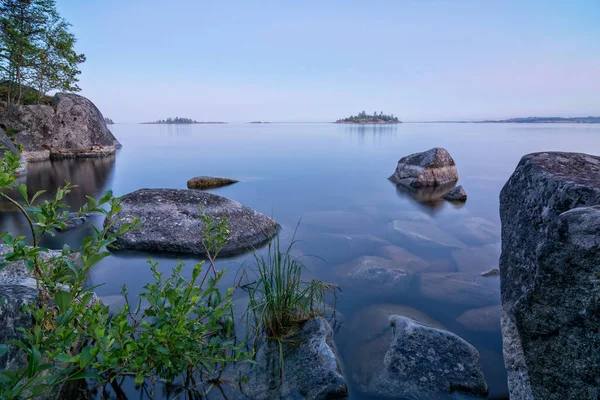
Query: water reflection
91, 175
429, 196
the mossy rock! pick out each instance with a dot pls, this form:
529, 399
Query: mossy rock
208, 182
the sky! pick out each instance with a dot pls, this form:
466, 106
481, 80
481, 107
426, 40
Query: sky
320, 60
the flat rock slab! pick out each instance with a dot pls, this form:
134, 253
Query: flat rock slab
171, 222
376, 275
459, 288
477, 260
486, 319
474, 231
209, 182
425, 233
433, 167
427, 363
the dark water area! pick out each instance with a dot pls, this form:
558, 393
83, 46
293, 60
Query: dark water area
333, 180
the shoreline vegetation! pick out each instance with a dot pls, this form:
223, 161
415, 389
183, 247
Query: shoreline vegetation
180, 121
364, 118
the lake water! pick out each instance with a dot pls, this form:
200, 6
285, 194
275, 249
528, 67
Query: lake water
333, 178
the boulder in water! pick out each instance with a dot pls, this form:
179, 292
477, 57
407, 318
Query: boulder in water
457, 193
171, 222
433, 167
208, 182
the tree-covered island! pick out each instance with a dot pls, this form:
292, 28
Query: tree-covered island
375, 118
179, 120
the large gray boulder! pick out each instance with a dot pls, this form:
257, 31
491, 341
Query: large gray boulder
311, 367
550, 277
71, 127
427, 363
171, 222
433, 167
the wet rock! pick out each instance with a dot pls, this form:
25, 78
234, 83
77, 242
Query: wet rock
428, 196
476, 260
486, 319
16, 293
458, 193
460, 288
492, 272
433, 167
208, 182
311, 370
71, 127
414, 216
425, 233
336, 248
473, 230
402, 258
370, 273
171, 222
370, 337
345, 221
425, 362
550, 274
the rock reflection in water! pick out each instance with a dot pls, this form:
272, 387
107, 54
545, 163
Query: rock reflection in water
91, 175
429, 196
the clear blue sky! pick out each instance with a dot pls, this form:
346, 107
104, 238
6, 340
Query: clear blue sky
317, 60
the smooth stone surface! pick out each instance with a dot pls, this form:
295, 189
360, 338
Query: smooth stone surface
374, 274
71, 127
403, 258
458, 193
208, 182
171, 222
311, 370
550, 274
345, 221
425, 362
336, 248
459, 288
473, 230
433, 167
477, 260
486, 319
425, 233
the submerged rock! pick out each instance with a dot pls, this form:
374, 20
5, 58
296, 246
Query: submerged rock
473, 230
485, 319
426, 362
425, 234
459, 288
374, 274
208, 182
433, 167
550, 274
311, 367
491, 272
403, 258
476, 260
338, 221
71, 127
456, 194
171, 222
337, 248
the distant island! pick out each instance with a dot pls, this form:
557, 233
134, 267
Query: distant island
178, 120
109, 121
260, 122
548, 120
364, 118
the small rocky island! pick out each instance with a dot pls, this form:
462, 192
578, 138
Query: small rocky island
180, 121
109, 121
364, 118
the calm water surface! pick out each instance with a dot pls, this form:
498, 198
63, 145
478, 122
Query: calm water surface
334, 179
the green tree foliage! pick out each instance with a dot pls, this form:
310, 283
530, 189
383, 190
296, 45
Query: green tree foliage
363, 117
176, 120
36, 49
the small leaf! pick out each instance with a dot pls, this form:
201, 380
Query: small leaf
83, 375
22, 188
63, 300
139, 379
64, 357
3, 349
85, 357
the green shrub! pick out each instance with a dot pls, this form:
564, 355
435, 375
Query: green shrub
184, 333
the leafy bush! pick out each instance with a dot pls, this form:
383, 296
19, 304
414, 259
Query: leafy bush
184, 333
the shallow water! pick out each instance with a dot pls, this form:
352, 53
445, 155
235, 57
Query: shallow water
332, 178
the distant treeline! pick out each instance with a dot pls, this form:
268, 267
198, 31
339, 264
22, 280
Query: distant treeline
176, 120
363, 117
550, 120
109, 121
